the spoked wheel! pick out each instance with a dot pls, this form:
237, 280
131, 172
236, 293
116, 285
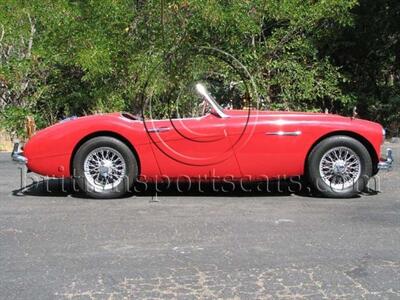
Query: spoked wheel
339, 166
105, 167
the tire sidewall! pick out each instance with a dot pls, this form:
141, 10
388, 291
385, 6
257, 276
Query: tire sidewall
130, 164
339, 141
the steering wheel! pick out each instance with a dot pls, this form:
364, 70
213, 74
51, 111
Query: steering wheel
205, 105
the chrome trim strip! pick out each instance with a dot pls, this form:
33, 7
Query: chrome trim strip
159, 129
284, 133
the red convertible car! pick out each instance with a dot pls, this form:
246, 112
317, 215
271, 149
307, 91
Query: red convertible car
107, 153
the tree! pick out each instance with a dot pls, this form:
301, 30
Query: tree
97, 56
369, 54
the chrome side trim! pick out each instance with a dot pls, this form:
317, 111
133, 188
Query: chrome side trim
158, 129
387, 164
284, 133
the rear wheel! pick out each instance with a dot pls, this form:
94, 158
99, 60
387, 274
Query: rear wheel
339, 166
104, 167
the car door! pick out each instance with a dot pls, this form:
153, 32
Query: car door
193, 147
266, 146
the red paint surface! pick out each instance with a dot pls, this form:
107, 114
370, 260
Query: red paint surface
205, 147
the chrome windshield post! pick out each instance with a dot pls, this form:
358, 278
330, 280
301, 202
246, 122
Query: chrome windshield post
201, 89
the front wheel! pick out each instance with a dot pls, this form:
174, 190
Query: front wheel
104, 167
339, 167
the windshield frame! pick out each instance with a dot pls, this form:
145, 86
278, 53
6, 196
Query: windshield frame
201, 89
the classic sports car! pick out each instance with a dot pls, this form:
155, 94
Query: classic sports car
107, 153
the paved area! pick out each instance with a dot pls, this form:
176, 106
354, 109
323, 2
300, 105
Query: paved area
238, 245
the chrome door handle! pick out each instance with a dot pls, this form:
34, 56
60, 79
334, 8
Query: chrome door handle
284, 133
159, 129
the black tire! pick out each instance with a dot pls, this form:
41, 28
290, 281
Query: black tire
88, 185
357, 185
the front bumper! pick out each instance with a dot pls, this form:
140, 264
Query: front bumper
17, 154
386, 163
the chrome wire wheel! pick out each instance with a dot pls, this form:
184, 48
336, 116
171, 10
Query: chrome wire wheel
340, 168
104, 168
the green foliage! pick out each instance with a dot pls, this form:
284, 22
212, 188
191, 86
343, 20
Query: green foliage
13, 120
61, 57
369, 53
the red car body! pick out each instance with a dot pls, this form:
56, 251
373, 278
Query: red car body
247, 144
